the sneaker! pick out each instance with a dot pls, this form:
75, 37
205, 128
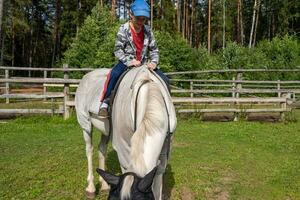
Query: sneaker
103, 112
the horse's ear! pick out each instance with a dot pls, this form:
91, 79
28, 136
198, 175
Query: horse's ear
146, 183
109, 178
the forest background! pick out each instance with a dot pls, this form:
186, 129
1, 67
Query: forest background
191, 34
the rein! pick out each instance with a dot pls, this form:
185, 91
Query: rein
164, 154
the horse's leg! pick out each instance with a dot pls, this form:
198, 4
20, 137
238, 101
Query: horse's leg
102, 150
157, 186
90, 190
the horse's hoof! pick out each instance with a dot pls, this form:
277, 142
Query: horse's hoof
105, 188
90, 195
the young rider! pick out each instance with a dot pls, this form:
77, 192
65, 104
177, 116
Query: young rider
133, 42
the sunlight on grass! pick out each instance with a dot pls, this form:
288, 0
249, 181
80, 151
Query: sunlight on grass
44, 158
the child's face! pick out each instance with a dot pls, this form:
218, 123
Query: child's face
139, 21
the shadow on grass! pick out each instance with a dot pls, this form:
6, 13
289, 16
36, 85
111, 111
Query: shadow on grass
112, 163
113, 167
169, 183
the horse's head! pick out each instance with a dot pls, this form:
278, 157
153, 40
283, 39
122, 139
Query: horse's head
129, 186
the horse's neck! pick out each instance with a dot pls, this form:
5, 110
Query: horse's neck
138, 151
147, 141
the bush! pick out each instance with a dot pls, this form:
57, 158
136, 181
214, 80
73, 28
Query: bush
94, 47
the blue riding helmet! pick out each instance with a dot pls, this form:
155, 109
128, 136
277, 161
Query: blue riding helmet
140, 8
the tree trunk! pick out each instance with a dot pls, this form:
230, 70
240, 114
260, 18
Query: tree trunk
56, 49
240, 29
162, 9
30, 47
13, 36
269, 21
2, 36
208, 32
174, 20
151, 9
183, 18
192, 23
178, 15
256, 23
101, 3
124, 10
187, 20
119, 8
238, 22
253, 24
1, 17
113, 9
273, 25
2, 49
23, 51
35, 55
224, 23
13, 47
241, 23
78, 16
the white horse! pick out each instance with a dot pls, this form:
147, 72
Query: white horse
142, 116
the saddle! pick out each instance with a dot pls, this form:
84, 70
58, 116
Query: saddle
115, 90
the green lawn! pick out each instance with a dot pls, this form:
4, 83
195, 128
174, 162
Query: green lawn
44, 158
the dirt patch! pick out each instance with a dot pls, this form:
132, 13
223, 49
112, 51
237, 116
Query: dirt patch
264, 117
224, 195
187, 194
217, 194
7, 116
27, 90
171, 195
216, 117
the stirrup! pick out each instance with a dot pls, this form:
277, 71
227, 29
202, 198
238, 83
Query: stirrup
103, 112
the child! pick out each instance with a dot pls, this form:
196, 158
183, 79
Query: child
133, 41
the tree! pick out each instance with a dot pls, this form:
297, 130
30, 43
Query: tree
56, 46
208, 33
255, 9
240, 29
1, 32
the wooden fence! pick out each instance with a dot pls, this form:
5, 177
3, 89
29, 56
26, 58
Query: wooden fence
188, 92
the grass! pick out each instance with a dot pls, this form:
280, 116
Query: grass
44, 158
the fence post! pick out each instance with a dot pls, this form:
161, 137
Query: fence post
283, 106
233, 87
7, 85
45, 87
238, 86
239, 77
278, 88
192, 88
66, 93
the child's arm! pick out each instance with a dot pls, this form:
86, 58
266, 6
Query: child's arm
153, 50
120, 46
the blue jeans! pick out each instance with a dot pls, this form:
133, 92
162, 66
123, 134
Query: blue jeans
118, 70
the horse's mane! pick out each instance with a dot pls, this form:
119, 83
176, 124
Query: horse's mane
153, 122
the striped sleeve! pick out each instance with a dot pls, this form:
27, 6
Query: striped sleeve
153, 49
120, 47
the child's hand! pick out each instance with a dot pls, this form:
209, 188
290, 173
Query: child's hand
151, 66
134, 63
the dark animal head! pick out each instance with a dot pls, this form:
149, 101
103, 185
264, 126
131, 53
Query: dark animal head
141, 188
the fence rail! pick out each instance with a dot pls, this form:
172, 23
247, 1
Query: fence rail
236, 87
